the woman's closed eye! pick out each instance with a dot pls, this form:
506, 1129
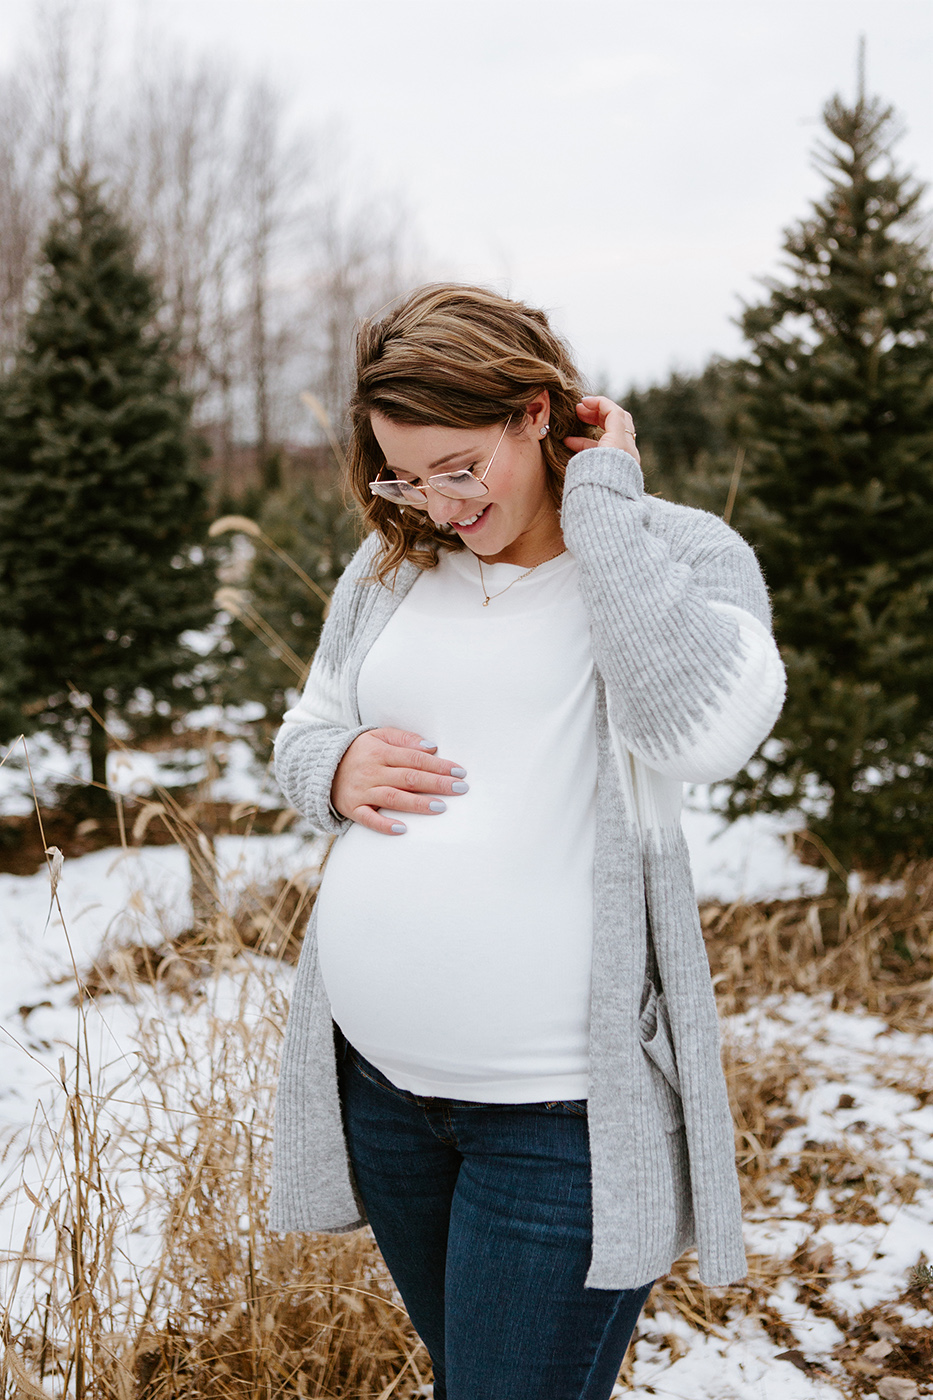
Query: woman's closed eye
392, 475
460, 472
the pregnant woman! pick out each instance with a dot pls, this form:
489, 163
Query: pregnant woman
502, 1050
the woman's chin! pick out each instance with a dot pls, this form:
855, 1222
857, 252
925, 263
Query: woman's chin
486, 545
487, 550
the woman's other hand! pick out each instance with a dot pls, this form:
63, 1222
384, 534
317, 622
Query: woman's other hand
396, 769
618, 430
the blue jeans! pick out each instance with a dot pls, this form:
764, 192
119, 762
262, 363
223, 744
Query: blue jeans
483, 1216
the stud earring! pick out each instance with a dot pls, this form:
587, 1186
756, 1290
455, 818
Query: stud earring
544, 430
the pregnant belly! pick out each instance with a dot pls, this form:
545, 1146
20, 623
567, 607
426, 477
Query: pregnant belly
464, 957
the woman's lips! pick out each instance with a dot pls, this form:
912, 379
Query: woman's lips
470, 529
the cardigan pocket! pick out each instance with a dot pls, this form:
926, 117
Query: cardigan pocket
654, 1033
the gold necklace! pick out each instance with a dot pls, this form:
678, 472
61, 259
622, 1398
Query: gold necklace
489, 596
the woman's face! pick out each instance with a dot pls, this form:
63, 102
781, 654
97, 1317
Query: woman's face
518, 517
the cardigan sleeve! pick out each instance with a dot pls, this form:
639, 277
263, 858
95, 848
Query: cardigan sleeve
317, 732
679, 622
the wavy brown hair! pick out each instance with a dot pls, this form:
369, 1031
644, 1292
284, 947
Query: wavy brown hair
453, 356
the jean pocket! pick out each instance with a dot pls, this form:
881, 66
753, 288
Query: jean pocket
375, 1076
575, 1106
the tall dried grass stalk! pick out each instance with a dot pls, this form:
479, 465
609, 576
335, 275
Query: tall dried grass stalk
243, 525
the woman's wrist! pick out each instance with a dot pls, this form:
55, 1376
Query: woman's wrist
607, 466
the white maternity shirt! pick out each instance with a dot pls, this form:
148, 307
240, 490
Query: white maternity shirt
457, 957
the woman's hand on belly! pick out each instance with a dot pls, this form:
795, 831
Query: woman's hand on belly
396, 769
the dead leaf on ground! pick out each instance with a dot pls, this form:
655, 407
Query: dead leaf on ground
897, 1388
863, 1367
878, 1350
821, 1259
796, 1358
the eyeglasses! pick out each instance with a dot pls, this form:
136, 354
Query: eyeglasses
459, 485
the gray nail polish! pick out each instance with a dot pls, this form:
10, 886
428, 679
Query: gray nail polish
458, 772
460, 787
425, 745
399, 828
438, 806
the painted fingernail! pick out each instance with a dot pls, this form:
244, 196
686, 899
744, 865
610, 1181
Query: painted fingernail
399, 828
438, 806
458, 772
424, 744
460, 787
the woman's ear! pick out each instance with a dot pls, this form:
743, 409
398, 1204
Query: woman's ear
538, 414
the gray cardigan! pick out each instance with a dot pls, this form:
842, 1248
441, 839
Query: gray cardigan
689, 682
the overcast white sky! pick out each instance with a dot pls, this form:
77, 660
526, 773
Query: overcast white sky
629, 164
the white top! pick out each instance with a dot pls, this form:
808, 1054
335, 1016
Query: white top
457, 957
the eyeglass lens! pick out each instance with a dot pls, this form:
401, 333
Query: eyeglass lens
461, 485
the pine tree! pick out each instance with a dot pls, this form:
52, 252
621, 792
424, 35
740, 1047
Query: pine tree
838, 415
684, 433
11, 681
102, 502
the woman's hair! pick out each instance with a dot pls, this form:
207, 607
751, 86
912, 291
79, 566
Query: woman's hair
453, 356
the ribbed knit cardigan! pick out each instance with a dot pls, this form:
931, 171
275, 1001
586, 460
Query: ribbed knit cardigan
689, 682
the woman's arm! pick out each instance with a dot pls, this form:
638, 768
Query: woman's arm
336, 771
679, 618
317, 732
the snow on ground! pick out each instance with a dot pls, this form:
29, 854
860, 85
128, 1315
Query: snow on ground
141, 894
750, 859
743, 1368
135, 773
856, 1085
41, 763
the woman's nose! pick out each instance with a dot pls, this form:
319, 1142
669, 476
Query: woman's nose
444, 509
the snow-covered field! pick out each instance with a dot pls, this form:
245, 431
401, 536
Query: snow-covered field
855, 1098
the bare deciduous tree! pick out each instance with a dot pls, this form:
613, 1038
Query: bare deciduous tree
264, 263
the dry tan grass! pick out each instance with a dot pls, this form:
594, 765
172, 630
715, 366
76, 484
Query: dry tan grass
269, 920
181, 1145
873, 953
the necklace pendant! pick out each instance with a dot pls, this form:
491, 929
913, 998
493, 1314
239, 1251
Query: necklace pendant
487, 602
